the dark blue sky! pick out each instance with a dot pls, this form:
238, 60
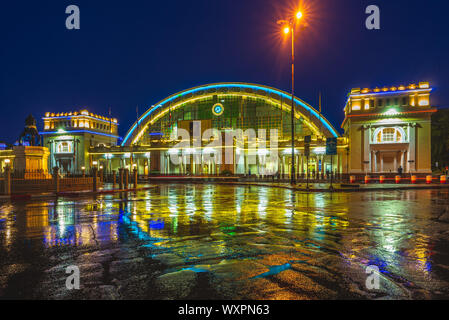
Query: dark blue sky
131, 53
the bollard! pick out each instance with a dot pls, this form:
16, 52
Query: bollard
7, 182
120, 181
429, 179
135, 178
397, 179
126, 186
367, 179
382, 179
352, 179
94, 179
443, 179
56, 179
413, 179
114, 178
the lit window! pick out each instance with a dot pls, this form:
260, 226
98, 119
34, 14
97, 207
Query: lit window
367, 104
64, 147
389, 135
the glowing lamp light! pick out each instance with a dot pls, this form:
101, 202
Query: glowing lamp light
173, 151
94, 163
299, 15
391, 112
423, 85
319, 150
424, 102
208, 150
7, 161
108, 156
61, 131
147, 155
289, 151
127, 155
286, 30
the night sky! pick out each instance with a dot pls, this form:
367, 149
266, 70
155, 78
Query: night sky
135, 53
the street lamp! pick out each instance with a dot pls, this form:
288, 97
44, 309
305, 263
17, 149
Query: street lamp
290, 27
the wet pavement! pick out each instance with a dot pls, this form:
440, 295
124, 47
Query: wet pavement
227, 242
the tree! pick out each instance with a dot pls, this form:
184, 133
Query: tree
440, 138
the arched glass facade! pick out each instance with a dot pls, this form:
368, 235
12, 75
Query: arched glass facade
152, 145
244, 106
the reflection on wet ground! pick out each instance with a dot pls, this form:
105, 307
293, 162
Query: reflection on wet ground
214, 242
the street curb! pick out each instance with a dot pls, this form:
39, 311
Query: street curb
250, 184
426, 187
69, 194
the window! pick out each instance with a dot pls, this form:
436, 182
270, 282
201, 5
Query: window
64, 147
389, 135
379, 102
404, 101
367, 104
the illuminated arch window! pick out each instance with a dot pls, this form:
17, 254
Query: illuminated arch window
64, 147
389, 135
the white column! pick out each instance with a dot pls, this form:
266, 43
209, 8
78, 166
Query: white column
381, 162
402, 159
375, 161
395, 162
366, 144
412, 148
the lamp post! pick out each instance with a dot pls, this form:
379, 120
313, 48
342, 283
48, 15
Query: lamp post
290, 27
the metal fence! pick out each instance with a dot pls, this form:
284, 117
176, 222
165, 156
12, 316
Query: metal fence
41, 181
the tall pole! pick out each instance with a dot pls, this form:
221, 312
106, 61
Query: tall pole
293, 177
